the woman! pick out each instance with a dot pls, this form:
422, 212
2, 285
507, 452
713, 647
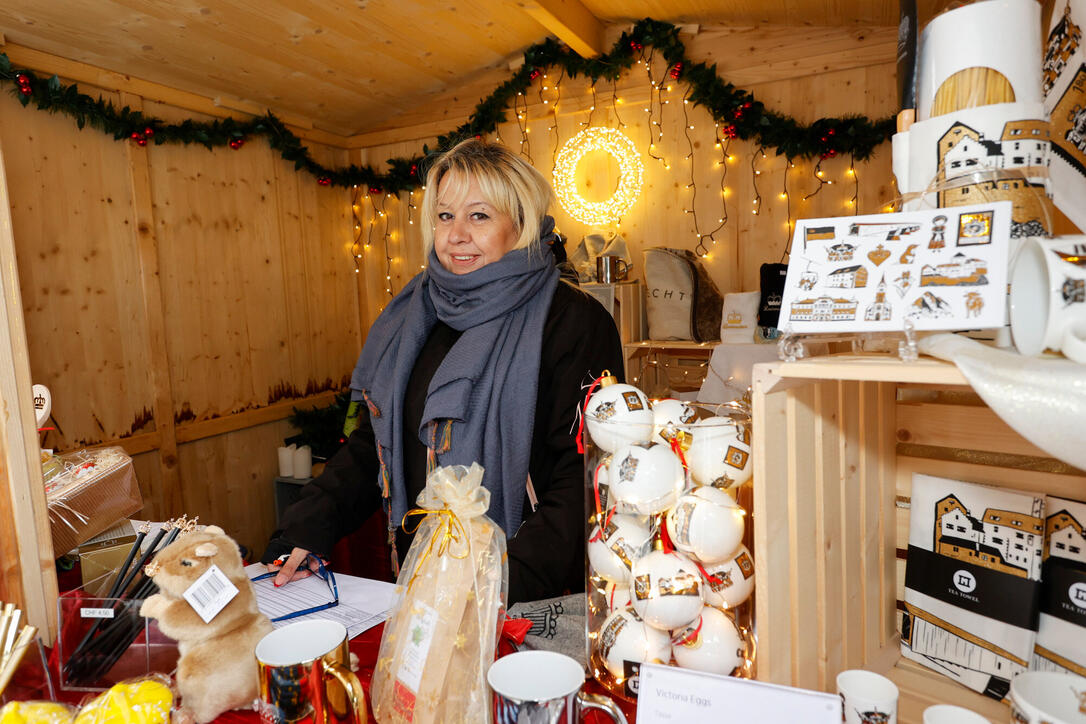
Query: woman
482, 357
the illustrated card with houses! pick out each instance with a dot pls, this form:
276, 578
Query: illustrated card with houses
943, 269
972, 581
1061, 635
1064, 86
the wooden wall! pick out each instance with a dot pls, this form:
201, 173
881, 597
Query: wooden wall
805, 72
179, 301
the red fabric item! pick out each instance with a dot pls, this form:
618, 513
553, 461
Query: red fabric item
516, 629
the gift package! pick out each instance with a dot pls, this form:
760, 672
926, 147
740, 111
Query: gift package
87, 492
1061, 633
442, 633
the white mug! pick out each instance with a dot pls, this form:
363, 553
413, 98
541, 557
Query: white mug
543, 687
947, 714
1048, 297
867, 697
1048, 697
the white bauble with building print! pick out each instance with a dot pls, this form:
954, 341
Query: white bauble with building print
616, 596
730, 581
624, 636
670, 416
666, 589
618, 414
624, 540
712, 643
719, 452
646, 478
706, 523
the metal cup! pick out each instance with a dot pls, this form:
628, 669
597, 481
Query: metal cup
304, 675
611, 269
543, 687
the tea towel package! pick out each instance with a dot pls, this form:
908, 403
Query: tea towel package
972, 581
1061, 636
442, 634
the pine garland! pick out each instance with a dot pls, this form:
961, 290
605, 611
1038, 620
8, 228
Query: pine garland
739, 113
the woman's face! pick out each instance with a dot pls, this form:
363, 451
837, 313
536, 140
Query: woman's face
470, 233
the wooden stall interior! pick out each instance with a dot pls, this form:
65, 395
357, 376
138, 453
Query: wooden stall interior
180, 301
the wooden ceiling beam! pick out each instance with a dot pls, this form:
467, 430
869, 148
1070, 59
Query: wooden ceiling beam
571, 22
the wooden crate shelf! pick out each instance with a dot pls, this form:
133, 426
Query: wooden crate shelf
836, 442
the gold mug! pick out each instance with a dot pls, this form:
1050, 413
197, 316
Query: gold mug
305, 676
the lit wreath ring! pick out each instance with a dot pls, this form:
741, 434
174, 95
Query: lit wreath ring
631, 170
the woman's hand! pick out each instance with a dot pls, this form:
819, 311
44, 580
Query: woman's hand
292, 569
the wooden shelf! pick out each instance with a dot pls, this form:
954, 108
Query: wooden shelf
869, 368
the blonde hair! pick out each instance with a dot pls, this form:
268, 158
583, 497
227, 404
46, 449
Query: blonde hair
507, 182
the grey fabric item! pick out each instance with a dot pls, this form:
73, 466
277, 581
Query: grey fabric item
486, 384
558, 624
1044, 400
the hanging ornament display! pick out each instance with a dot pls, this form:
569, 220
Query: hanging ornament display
617, 414
712, 643
613, 550
729, 583
670, 416
631, 175
666, 589
646, 478
719, 453
617, 596
624, 638
707, 523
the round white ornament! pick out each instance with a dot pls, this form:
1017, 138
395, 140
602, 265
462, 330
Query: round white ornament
666, 589
734, 580
712, 643
707, 523
617, 596
625, 539
618, 414
719, 452
668, 416
625, 637
646, 478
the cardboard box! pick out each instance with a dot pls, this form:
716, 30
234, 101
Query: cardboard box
100, 557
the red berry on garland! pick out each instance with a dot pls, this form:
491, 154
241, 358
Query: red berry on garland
136, 135
414, 169
676, 71
324, 181
636, 46
748, 104
374, 191
535, 74
831, 132
141, 141
148, 132
22, 79
25, 90
829, 154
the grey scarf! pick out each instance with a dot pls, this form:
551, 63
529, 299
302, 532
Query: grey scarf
482, 397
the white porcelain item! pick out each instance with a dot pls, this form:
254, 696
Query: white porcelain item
867, 697
712, 644
1047, 697
666, 589
731, 582
616, 415
1048, 297
646, 479
624, 540
542, 687
707, 524
624, 637
719, 452
948, 714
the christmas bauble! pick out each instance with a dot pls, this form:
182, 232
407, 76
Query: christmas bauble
734, 580
666, 589
719, 453
625, 637
707, 523
618, 414
617, 596
646, 478
624, 540
668, 416
711, 643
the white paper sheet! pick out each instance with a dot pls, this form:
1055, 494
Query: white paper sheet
363, 602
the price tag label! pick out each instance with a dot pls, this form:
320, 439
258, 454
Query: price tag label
210, 593
96, 613
671, 694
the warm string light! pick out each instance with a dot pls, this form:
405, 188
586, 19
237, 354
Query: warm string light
700, 248
754, 174
373, 221
388, 253
854, 202
520, 110
724, 156
820, 176
654, 92
356, 242
615, 101
554, 113
631, 175
411, 204
788, 209
591, 108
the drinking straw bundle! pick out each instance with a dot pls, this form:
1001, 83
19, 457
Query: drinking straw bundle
107, 640
13, 642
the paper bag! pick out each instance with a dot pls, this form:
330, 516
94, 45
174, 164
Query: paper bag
443, 631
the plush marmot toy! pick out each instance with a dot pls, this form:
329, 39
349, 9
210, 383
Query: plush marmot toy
217, 669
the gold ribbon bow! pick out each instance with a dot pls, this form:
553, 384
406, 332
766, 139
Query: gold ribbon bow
449, 529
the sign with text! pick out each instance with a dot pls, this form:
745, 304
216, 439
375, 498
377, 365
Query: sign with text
671, 694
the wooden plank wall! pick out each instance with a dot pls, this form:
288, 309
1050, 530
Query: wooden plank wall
180, 301
805, 72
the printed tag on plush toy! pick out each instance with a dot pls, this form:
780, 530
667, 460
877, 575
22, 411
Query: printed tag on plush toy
210, 593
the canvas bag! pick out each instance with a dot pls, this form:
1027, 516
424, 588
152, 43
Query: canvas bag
683, 302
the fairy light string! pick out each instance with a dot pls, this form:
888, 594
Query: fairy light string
754, 174
356, 240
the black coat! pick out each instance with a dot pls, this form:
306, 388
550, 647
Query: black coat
546, 555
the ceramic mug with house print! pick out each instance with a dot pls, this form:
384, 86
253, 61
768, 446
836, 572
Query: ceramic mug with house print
1048, 697
1048, 297
867, 697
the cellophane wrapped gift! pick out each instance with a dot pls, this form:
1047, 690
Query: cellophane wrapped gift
443, 631
87, 492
